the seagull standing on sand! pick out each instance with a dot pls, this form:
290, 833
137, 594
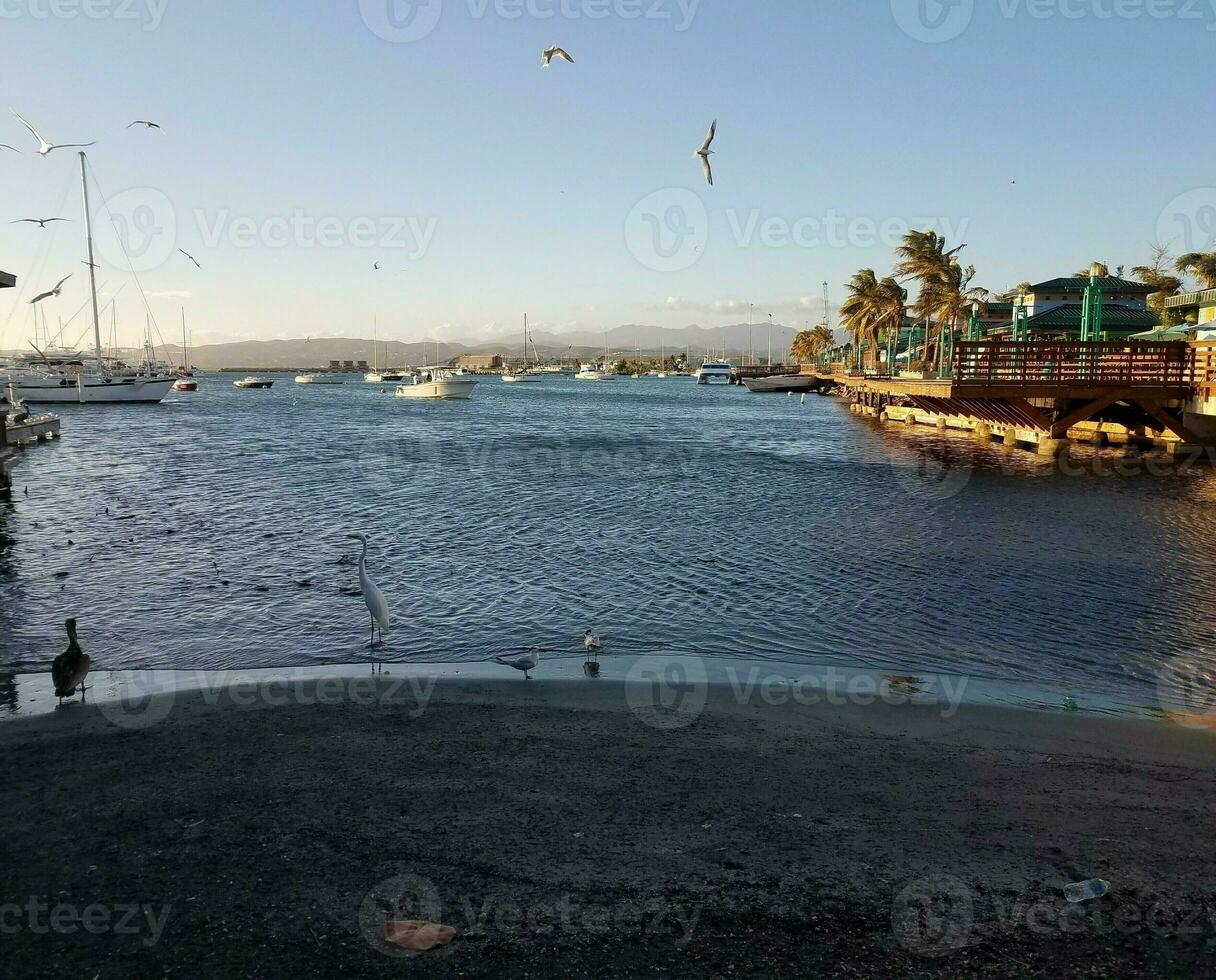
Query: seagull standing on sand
44, 147
53, 292
40, 222
191, 258
377, 607
524, 662
705, 151
555, 52
591, 642
145, 123
71, 667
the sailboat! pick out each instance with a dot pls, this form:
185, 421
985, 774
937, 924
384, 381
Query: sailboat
76, 382
525, 376
186, 381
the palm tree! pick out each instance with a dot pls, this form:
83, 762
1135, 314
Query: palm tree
945, 286
872, 308
809, 344
1166, 285
1201, 265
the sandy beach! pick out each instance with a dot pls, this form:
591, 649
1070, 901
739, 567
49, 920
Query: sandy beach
563, 831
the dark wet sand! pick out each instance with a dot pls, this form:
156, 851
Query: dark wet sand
761, 839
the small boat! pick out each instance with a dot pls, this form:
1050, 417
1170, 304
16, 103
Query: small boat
316, 378
185, 384
785, 384
253, 383
712, 372
437, 385
590, 372
523, 376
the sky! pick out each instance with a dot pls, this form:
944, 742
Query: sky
305, 142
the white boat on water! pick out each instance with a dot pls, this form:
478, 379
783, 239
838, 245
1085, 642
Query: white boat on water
252, 382
437, 385
68, 378
376, 376
524, 376
715, 372
589, 372
317, 378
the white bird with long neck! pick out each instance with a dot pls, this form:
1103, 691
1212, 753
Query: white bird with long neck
377, 606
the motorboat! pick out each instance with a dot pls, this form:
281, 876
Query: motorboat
185, 384
252, 382
317, 378
437, 385
589, 372
786, 384
714, 372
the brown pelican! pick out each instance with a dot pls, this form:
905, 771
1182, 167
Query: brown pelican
70, 667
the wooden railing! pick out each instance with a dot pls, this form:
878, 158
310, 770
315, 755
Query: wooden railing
1205, 364
1055, 363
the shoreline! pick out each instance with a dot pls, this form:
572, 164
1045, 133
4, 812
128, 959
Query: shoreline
558, 826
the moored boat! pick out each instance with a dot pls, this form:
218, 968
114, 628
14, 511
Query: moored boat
437, 385
252, 382
785, 384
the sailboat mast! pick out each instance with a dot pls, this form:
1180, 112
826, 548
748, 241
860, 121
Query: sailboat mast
185, 345
88, 231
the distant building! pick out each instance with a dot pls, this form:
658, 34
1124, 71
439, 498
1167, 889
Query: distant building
480, 362
363, 365
1197, 309
335, 365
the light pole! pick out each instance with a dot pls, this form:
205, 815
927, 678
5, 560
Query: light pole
751, 346
770, 340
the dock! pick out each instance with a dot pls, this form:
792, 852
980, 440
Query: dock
16, 436
1044, 393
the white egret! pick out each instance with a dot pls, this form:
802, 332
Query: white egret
377, 607
523, 662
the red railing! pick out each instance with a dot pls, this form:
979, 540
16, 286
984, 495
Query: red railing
1052, 363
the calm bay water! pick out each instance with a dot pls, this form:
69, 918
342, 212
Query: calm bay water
663, 515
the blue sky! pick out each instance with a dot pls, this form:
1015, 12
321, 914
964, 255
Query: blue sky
488, 187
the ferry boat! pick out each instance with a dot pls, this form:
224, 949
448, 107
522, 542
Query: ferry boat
712, 372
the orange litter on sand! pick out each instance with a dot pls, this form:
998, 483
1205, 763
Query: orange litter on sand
420, 936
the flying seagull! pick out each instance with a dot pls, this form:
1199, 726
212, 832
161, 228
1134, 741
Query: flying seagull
705, 151
40, 222
555, 52
43, 146
376, 267
5, 146
145, 123
190, 257
54, 292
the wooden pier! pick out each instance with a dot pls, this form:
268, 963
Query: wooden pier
1039, 392
16, 436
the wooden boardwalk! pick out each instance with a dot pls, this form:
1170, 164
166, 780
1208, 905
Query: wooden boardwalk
1046, 388
14, 437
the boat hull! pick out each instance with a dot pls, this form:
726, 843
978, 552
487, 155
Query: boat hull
456, 389
785, 384
94, 391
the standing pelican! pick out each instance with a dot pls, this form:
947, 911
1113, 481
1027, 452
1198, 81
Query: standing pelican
70, 667
377, 607
524, 662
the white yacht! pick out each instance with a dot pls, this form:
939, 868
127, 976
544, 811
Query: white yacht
714, 372
525, 376
254, 382
590, 372
69, 377
317, 378
437, 384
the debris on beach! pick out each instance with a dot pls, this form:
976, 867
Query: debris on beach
1085, 891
